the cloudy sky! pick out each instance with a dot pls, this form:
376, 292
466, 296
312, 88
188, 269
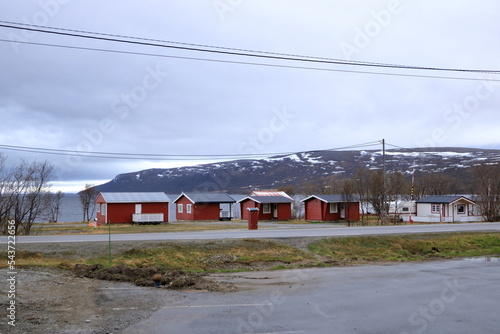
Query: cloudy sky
78, 95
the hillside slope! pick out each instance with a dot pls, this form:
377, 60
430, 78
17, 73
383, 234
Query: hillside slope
241, 176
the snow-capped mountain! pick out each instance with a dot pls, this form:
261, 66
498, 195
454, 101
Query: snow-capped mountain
299, 168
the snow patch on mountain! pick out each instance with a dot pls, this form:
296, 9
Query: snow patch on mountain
299, 168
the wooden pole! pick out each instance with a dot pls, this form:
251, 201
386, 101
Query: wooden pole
109, 242
384, 211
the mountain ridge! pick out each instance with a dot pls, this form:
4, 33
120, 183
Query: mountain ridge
298, 168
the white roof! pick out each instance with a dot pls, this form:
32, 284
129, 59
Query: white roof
269, 193
135, 197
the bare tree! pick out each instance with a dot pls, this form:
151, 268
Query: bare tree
325, 185
395, 184
6, 196
376, 193
33, 191
373, 189
23, 194
311, 188
434, 184
288, 188
487, 189
87, 198
361, 177
348, 191
54, 206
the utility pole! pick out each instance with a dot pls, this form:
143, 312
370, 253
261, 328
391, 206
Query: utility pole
384, 210
412, 193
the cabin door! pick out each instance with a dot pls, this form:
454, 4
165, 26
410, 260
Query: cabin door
275, 211
138, 208
342, 211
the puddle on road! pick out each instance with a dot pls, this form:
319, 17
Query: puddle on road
494, 258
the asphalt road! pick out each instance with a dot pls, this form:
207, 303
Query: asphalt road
459, 296
290, 232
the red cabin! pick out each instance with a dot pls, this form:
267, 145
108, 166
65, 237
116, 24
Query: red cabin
132, 207
272, 205
199, 206
330, 208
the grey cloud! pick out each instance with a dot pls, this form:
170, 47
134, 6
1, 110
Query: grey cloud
98, 101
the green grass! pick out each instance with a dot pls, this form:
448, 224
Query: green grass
407, 248
254, 254
130, 228
212, 256
36, 259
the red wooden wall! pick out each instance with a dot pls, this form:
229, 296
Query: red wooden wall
284, 210
317, 210
121, 213
199, 211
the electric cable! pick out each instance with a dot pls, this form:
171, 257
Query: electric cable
226, 51
157, 156
257, 64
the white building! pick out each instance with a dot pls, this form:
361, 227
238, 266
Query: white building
403, 210
446, 209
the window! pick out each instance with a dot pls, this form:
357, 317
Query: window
266, 208
334, 208
98, 209
103, 209
461, 209
435, 208
179, 208
405, 209
188, 208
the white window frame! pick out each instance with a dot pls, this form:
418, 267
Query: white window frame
458, 210
266, 208
103, 209
436, 208
188, 208
334, 208
98, 209
180, 208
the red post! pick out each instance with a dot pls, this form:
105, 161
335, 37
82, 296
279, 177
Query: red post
253, 218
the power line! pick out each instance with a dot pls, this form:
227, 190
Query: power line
191, 44
224, 50
157, 156
396, 146
252, 63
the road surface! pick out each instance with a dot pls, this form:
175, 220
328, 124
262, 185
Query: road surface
290, 232
459, 296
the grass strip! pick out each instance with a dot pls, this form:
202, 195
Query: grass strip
133, 228
211, 256
254, 254
408, 247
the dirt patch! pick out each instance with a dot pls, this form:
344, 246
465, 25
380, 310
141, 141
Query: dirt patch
56, 301
150, 276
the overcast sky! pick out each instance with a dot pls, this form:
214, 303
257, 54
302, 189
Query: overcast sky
87, 100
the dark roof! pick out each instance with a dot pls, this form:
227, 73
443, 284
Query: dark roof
268, 199
135, 197
443, 199
207, 198
237, 197
336, 198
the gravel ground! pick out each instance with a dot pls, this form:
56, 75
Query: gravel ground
54, 301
